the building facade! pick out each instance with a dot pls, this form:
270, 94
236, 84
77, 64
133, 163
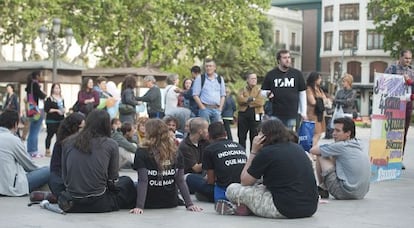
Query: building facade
351, 45
288, 32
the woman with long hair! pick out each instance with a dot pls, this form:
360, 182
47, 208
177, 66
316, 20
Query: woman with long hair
159, 170
12, 101
316, 101
90, 170
55, 113
69, 126
88, 98
33, 89
128, 98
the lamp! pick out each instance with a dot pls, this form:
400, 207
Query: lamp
54, 43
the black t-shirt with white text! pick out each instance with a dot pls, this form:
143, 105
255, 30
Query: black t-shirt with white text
227, 159
161, 190
285, 87
288, 174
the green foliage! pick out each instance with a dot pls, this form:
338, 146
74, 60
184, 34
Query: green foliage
158, 33
394, 19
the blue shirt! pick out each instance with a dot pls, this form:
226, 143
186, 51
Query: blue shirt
212, 90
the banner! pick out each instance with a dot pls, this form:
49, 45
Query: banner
387, 126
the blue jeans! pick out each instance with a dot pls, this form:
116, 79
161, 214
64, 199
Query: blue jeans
219, 193
289, 123
33, 138
37, 178
197, 184
211, 115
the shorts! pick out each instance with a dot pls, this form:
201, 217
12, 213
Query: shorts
334, 185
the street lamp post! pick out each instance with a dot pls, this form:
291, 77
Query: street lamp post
54, 43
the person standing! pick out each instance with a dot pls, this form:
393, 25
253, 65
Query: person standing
55, 113
195, 72
88, 98
128, 98
403, 67
152, 97
346, 96
33, 89
316, 104
285, 87
171, 107
227, 113
250, 109
12, 101
209, 93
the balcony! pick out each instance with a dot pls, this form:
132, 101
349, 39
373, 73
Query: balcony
280, 46
295, 48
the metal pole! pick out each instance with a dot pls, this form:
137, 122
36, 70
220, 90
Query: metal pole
54, 75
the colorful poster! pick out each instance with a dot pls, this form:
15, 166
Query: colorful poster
387, 128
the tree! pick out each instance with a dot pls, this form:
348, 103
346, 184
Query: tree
395, 20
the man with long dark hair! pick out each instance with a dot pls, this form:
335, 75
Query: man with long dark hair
289, 186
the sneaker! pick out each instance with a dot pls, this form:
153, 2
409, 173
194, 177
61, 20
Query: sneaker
224, 207
38, 196
323, 193
36, 155
180, 201
402, 166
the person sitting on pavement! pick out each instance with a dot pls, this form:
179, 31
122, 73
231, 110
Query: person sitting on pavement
191, 147
69, 126
159, 170
224, 160
90, 170
343, 167
19, 175
289, 187
172, 124
126, 147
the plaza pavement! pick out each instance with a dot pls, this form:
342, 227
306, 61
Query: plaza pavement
388, 204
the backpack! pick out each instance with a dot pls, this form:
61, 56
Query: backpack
203, 79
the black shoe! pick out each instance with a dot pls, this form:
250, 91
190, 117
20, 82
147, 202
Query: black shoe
402, 166
180, 201
323, 193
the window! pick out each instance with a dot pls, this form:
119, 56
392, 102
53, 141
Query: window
293, 39
349, 12
354, 68
277, 37
374, 40
328, 13
348, 39
377, 66
374, 11
328, 36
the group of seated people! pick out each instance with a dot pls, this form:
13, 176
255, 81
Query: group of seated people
275, 180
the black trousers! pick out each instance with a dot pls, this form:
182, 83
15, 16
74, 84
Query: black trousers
52, 129
247, 123
124, 197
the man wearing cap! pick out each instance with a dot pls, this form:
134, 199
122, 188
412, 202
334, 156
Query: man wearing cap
211, 94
